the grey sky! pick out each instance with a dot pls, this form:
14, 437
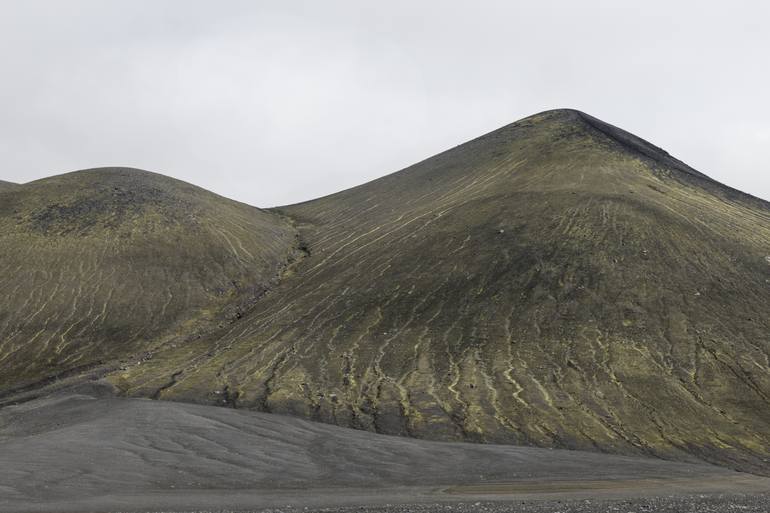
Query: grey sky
278, 102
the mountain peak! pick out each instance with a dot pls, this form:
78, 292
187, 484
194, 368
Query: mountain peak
622, 138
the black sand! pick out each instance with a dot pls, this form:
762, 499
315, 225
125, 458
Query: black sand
90, 452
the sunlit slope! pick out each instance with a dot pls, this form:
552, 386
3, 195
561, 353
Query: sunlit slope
557, 282
108, 263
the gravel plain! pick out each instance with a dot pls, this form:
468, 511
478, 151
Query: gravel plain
85, 451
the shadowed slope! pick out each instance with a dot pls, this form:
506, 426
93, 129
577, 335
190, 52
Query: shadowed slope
6, 186
107, 263
557, 282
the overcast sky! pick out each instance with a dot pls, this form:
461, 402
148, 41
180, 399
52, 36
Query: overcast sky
278, 102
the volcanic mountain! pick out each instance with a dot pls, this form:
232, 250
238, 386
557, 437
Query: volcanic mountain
556, 283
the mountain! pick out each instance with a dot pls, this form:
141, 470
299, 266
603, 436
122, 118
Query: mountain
107, 263
558, 282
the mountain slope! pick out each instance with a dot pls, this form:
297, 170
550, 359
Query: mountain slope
6, 186
557, 282
104, 264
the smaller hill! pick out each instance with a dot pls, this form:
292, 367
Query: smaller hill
105, 263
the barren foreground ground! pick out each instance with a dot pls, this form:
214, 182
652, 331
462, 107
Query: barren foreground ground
88, 451
668, 504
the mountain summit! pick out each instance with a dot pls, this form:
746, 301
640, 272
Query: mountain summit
558, 282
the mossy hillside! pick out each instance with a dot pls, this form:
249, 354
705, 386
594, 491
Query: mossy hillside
108, 263
557, 282
6, 186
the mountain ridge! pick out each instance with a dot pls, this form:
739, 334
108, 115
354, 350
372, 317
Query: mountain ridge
612, 133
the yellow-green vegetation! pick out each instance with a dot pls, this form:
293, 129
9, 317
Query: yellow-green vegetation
557, 282
106, 264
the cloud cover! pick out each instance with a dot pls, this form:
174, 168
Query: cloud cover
278, 102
